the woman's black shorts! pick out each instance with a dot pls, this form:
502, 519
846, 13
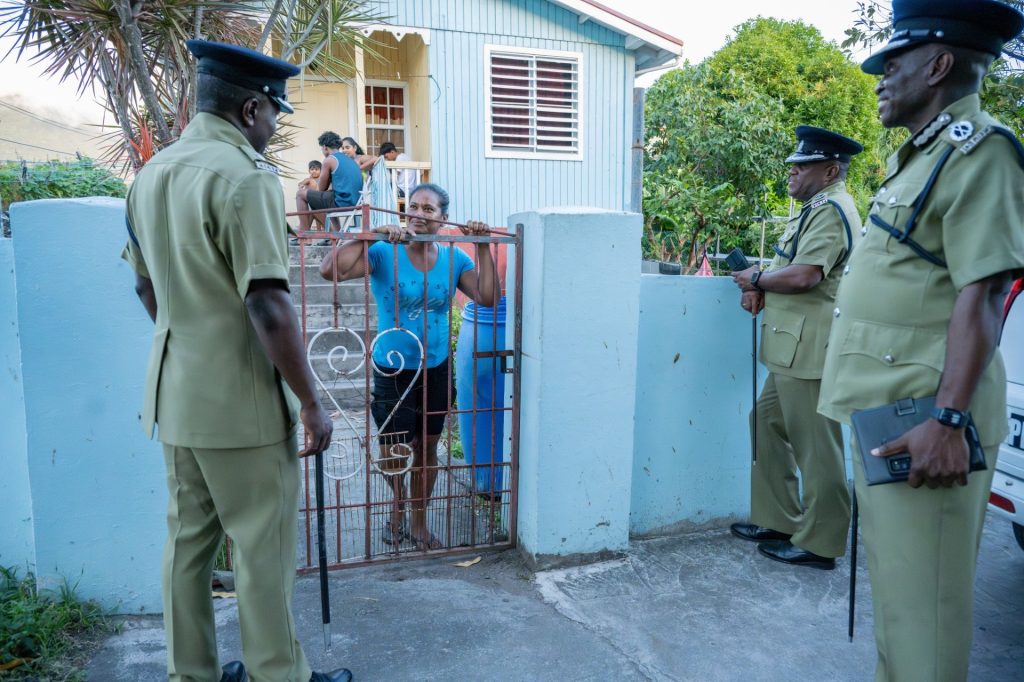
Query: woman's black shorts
407, 422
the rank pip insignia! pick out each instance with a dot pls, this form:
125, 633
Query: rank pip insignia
267, 166
969, 146
937, 125
960, 131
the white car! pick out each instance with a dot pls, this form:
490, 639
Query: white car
1007, 498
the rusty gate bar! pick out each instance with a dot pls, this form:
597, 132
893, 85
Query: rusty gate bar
458, 496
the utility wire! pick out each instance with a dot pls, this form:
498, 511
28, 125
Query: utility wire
43, 119
26, 144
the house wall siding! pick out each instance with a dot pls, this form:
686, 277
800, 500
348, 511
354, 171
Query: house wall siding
492, 189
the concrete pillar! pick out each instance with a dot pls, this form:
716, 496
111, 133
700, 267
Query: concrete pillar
580, 294
98, 489
692, 466
17, 543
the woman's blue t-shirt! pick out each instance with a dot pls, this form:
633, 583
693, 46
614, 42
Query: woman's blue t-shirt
409, 284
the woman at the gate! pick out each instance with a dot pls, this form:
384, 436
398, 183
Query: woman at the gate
413, 283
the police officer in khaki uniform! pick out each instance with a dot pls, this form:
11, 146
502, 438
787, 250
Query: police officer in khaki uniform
207, 242
797, 293
919, 315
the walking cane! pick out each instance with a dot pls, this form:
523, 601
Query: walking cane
753, 355
853, 561
321, 549
753, 387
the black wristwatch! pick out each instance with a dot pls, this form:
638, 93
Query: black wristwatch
753, 280
947, 416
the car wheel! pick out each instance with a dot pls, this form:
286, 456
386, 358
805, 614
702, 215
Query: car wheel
1018, 532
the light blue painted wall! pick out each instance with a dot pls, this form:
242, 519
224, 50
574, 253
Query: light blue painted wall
17, 544
692, 449
492, 189
97, 482
580, 321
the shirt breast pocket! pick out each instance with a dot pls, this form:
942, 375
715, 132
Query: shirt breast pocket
893, 361
781, 332
891, 211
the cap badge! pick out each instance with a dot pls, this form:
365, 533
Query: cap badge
961, 130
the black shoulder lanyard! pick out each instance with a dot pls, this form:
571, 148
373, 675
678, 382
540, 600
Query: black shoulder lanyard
131, 232
800, 226
903, 236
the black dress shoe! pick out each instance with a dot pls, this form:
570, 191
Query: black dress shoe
339, 675
782, 550
748, 531
234, 672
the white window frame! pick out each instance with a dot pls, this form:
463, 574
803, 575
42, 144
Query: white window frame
405, 104
546, 155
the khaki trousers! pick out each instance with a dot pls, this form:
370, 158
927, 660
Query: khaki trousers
922, 549
252, 495
790, 435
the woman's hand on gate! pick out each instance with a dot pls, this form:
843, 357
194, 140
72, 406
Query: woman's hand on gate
396, 233
476, 228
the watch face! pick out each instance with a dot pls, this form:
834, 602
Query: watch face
949, 417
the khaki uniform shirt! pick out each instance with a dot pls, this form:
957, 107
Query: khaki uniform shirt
208, 213
795, 327
893, 308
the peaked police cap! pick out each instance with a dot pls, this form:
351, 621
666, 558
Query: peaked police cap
983, 25
818, 144
246, 68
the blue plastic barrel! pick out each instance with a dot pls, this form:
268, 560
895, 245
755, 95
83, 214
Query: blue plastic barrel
482, 434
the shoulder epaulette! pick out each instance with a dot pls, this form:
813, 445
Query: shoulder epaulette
258, 160
968, 146
267, 166
983, 134
819, 201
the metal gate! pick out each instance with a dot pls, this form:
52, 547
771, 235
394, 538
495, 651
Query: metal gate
376, 476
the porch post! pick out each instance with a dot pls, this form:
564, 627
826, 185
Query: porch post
581, 285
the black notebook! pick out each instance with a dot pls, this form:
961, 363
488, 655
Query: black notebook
879, 425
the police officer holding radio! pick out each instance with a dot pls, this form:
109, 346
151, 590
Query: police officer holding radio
918, 315
227, 380
797, 292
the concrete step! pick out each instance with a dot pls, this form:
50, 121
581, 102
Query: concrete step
321, 316
320, 292
312, 273
312, 253
350, 399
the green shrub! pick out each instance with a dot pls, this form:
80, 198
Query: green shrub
23, 181
39, 630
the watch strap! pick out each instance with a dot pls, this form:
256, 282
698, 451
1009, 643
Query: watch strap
947, 416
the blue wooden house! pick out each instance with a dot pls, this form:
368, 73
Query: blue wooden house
509, 104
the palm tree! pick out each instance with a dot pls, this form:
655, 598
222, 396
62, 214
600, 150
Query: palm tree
133, 52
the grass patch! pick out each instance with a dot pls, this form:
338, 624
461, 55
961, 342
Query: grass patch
45, 635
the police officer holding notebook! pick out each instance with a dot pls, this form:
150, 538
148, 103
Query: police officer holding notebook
227, 379
797, 292
918, 315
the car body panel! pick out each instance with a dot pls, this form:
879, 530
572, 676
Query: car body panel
1008, 481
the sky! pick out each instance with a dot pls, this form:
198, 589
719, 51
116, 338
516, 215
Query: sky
702, 26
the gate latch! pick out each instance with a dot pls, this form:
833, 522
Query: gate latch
504, 355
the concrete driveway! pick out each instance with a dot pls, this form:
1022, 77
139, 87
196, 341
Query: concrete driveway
703, 607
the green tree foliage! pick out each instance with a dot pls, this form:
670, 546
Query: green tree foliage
1002, 93
718, 134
